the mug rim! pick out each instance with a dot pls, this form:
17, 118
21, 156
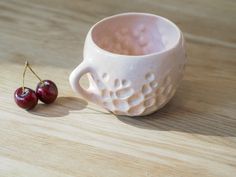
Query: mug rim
180, 35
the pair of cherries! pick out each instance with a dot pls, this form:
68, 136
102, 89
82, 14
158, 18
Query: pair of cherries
26, 98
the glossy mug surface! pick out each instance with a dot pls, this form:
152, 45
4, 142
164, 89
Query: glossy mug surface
134, 63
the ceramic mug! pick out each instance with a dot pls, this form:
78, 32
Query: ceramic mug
134, 63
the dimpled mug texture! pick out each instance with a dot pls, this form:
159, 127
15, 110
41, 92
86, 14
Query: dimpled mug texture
134, 62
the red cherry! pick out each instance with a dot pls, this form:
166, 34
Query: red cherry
25, 98
47, 91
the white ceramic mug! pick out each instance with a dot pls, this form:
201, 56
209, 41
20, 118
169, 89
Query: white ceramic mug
135, 62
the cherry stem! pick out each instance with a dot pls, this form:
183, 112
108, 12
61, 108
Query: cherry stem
28, 65
23, 84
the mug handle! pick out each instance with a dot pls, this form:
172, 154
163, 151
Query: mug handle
75, 77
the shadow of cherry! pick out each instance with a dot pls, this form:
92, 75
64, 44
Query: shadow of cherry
61, 107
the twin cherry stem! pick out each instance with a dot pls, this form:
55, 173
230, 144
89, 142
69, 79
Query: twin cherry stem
27, 65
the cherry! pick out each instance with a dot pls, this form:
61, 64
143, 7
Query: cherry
46, 91
25, 98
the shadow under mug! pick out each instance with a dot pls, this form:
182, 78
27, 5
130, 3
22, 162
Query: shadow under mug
134, 63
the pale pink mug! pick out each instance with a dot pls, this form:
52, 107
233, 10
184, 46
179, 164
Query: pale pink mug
135, 62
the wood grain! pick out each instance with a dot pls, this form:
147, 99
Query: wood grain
194, 135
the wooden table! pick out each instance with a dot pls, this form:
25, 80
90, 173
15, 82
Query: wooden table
194, 135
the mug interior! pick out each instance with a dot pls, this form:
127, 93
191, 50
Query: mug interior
135, 34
